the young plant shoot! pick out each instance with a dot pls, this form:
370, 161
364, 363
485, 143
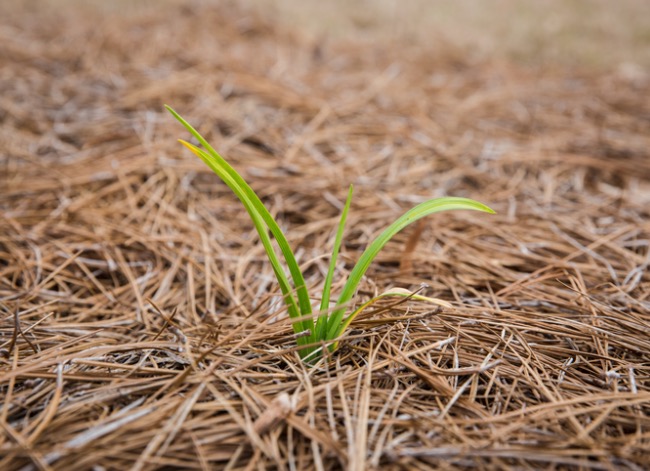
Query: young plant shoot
330, 324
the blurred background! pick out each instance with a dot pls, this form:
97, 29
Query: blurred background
597, 33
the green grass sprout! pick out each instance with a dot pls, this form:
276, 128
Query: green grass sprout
330, 324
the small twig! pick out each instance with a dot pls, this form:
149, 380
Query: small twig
168, 320
18, 330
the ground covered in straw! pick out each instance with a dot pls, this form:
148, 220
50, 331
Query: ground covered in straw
140, 325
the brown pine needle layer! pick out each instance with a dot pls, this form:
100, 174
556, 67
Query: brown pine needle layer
140, 326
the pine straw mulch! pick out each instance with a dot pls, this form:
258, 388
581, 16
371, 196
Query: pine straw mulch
141, 327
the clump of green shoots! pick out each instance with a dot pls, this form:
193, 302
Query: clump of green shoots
330, 324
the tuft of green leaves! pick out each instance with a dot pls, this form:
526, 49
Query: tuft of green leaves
330, 324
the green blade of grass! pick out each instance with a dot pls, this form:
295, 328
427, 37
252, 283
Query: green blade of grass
335, 324
214, 160
321, 323
262, 230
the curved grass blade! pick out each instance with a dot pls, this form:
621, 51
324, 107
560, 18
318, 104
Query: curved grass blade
262, 230
214, 160
321, 323
418, 212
